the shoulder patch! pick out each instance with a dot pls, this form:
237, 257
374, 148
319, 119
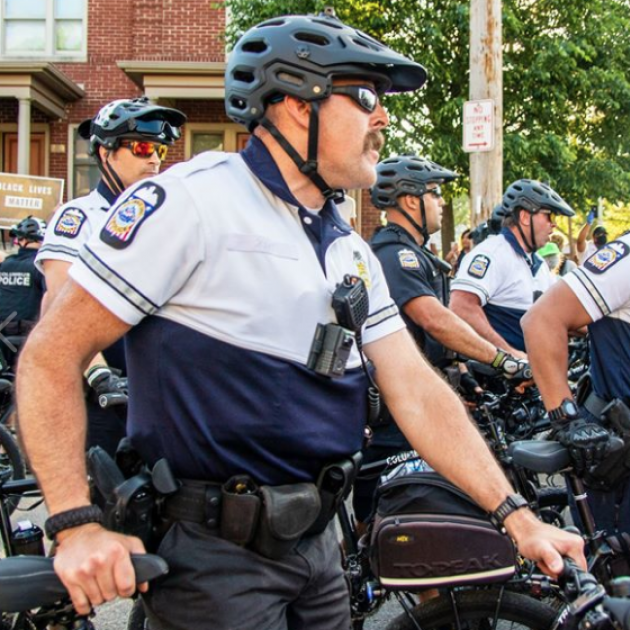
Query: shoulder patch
70, 222
607, 256
479, 266
123, 224
408, 259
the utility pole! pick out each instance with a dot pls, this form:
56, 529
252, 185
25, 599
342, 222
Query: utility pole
486, 83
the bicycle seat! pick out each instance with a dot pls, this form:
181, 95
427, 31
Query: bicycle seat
28, 582
539, 455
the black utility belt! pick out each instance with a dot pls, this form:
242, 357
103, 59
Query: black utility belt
270, 520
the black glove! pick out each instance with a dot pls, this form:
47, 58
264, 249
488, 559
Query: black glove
103, 381
586, 441
468, 384
512, 367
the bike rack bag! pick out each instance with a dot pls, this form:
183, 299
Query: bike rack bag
427, 533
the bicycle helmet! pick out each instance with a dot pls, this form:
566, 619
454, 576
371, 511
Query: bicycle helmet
31, 229
532, 197
135, 119
407, 175
129, 119
299, 56
495, 221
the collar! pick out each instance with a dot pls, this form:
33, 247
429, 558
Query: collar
534, 261
105, 191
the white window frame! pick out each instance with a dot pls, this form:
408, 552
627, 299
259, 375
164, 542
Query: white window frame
72, 130
48, 53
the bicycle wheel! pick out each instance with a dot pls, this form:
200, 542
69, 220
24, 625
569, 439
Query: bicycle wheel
477, 609
10, 457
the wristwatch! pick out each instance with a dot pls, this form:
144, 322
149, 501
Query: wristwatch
511, 504
566, 411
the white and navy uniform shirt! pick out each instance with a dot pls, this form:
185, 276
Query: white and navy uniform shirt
70, 228
601, 285
224, 278
506, 280
73, 224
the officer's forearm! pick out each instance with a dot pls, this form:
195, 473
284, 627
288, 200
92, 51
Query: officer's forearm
449, 329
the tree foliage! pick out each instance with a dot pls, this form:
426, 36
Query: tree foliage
566, 84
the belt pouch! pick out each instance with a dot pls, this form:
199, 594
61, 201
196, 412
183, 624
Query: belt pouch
240, 509
287, 512
618, 415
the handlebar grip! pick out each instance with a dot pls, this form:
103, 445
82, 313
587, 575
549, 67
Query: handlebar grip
113, 399
28, 582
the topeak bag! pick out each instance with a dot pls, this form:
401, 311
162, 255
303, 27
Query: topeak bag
427, 533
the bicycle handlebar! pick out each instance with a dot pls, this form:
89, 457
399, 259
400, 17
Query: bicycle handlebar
28, 582
590, 608
112, 399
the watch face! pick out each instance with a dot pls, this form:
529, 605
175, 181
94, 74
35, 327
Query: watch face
570, 408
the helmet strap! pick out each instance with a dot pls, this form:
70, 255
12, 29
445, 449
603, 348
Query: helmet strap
529, 244
420, 229
307, 167
111, 177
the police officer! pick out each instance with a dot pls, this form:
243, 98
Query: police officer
224, 269
500, 279
22, 286
596, 295
129, 139
409, 189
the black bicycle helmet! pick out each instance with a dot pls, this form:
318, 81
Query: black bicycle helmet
32, 229
298, 55
533, 196
495, 221
406, 175
135, 119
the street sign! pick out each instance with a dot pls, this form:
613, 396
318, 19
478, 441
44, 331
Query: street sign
479, 125
24, 195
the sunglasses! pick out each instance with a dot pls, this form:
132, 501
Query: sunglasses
143, 149
155, 127
365, 97
436, 192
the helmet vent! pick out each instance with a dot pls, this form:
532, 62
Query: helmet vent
329, 23
291, 79
312, 38
243, 76
256, 46
360, 42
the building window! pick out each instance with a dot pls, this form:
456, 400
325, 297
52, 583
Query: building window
202, 137
85, 173
43, 28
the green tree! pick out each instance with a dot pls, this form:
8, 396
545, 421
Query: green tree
566, 85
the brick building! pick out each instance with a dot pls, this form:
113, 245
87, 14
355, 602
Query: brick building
61, 60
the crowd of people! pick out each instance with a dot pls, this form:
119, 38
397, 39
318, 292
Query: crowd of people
225, 277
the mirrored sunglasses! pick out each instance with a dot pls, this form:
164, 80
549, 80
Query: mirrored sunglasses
436, 192
143, 149
364, 96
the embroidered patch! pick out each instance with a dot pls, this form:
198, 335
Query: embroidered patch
362, 268
70, 222
607, 256
123, 224
479, 266
408, 259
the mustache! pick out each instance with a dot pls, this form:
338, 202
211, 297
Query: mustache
374, 141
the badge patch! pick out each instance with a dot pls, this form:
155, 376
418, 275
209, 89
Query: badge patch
362, 269
479, 266
408, 259
607, 256
123, 224
70, 222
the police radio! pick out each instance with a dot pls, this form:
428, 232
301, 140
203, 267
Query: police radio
332, 343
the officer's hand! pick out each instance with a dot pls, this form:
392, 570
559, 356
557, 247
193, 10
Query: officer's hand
512, 368
586, 441
103, 381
